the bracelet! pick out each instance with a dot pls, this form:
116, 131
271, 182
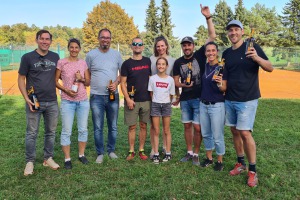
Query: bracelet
207, 18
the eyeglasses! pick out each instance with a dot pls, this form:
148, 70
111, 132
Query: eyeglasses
105, 38
137, 44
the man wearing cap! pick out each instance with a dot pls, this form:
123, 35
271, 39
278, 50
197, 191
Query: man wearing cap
189, 98
242, 95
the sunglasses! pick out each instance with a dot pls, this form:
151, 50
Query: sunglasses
137, 44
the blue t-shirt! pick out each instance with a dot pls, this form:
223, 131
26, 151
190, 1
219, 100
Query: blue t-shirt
210, 91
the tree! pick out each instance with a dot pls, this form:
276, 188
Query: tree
165, 24
151, 23
112, 16
201, 35
267, 25
222, 16
291, 20
241, 13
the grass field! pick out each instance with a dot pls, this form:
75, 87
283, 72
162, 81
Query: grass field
276, 131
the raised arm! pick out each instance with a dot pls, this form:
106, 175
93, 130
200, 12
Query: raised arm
210, 25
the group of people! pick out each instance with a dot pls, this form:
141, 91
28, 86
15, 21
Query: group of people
150, 87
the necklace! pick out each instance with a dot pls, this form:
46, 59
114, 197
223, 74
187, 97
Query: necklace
208, 68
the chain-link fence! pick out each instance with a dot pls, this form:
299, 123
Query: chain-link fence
10, 57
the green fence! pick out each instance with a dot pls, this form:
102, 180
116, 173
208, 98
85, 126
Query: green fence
285, 58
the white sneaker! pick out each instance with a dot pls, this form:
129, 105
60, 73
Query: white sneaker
51, 163
112, 155
28, 169
99, 159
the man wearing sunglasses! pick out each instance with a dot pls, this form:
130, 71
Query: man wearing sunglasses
104, 64
135, 74
37, 72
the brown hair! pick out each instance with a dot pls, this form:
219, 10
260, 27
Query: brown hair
160, 38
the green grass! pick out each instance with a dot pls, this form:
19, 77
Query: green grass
276, 131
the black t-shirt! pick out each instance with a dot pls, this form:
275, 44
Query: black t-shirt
137, 73
40, 73
180, 68
242, 74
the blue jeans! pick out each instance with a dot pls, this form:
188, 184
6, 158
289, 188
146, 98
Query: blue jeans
241, 114
99, 105
190, 111
212, 119
68, 109
49, 110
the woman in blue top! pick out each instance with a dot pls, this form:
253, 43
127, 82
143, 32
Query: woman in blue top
212, 110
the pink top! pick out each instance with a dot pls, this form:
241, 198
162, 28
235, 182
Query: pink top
68, 70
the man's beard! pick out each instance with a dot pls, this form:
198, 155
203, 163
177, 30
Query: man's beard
104, 46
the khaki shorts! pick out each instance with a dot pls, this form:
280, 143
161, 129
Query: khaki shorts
141, 110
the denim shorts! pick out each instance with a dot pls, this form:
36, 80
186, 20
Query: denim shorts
161, 109
241, 114
190, 111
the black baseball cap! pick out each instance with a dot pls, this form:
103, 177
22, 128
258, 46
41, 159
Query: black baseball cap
187, 39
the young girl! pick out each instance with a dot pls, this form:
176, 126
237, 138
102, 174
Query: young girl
162, 88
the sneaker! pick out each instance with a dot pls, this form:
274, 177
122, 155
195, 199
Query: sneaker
156, 159
130, 155
186, 158
252, 179
99, 159
196, 160
83, 159
68, 165
167, 158
28, 169
143, 155
238, 168
218, 166
207, 162
151, 156
51, 163
112, 155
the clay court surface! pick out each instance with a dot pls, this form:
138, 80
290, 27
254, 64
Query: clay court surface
280, 84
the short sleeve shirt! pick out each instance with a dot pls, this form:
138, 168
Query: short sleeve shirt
162, 88
40, 73
180, 69
170, 65
103, 68
138, 73
68, 70
242, 80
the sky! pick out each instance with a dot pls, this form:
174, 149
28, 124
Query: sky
185, 14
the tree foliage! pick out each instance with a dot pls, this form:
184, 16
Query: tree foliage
222, 16
241, 13
291, 21
267, 25
165, 25
151, 25
201, 35
112, 16
22, 34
